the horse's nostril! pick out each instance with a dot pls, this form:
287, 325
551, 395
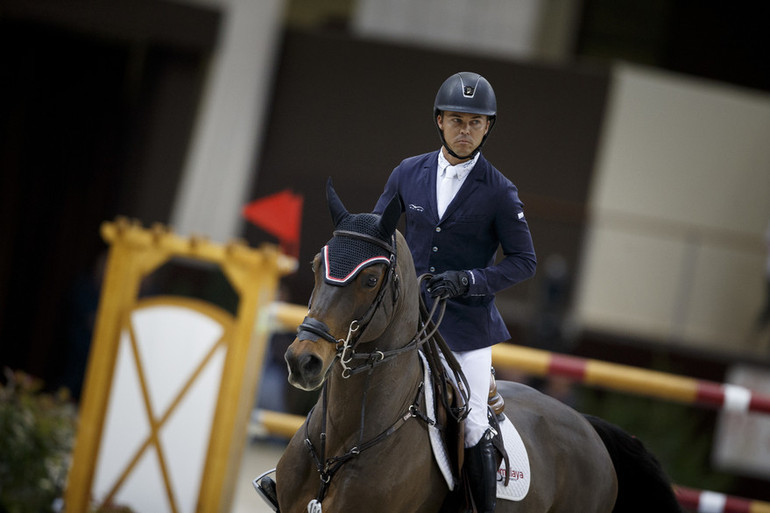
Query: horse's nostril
310, 364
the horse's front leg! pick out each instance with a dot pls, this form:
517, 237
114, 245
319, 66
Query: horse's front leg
297, 480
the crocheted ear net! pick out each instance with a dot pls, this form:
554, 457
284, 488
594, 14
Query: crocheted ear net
344, 256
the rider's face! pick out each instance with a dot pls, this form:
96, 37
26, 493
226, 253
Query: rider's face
463, 132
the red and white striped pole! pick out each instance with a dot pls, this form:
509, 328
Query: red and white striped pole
703, 501
629, 379
613, 376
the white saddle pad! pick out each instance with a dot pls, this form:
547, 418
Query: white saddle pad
439, 451
518, 484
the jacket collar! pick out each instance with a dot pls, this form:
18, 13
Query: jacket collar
470, 184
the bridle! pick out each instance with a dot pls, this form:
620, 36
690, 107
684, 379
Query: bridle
312, 328
354, 361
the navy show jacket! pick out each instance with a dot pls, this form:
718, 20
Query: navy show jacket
485, 214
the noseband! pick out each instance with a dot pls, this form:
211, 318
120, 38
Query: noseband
313, 329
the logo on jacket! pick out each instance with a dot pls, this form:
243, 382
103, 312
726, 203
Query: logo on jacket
418, 208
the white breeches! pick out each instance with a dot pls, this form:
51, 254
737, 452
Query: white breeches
477, 366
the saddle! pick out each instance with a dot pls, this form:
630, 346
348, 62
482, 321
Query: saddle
495, 400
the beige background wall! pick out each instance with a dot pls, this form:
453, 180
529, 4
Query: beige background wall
679, 205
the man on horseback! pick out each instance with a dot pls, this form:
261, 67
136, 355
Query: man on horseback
459, 211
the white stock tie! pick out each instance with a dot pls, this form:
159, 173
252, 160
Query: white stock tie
447, 189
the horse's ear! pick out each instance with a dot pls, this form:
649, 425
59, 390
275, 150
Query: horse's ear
336, 208
391, 215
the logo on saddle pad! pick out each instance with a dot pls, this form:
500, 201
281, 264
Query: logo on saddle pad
513, 475
519, 473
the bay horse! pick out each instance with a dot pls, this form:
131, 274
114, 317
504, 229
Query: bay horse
365, 446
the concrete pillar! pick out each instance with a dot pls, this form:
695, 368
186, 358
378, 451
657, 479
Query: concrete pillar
226, 141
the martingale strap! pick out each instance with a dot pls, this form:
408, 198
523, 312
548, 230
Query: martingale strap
427, 336
327, 467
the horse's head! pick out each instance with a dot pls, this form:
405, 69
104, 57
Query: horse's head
357, 289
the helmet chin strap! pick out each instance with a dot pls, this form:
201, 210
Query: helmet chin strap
474, 152
455, 155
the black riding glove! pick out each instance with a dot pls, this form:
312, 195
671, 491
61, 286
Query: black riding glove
449, 284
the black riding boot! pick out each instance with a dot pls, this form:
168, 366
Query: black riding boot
481, 468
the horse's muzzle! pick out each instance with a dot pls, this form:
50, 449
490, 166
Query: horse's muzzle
306, 369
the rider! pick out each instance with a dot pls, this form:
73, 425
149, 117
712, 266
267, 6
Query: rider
459, 211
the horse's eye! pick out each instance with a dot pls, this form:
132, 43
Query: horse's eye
371, 281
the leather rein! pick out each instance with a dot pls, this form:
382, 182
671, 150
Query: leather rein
354, 362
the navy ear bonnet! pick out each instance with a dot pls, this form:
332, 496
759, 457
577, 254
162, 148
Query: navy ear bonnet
345, 256
359, 240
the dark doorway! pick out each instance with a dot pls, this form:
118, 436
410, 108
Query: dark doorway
96, 111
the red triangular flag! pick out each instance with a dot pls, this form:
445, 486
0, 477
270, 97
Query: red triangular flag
279, 214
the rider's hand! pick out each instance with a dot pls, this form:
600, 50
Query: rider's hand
448, 284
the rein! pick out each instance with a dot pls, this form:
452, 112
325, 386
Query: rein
354, 362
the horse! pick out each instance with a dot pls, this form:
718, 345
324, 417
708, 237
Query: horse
365, 444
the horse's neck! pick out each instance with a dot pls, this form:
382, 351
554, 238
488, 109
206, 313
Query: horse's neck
384, 395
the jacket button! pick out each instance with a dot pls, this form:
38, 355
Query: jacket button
432, 269
438, 228
435, 249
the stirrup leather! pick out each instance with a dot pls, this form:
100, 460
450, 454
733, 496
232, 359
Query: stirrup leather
495, 400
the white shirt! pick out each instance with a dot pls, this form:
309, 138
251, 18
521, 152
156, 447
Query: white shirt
449, 179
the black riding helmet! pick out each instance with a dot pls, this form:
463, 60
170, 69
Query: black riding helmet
466, 92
